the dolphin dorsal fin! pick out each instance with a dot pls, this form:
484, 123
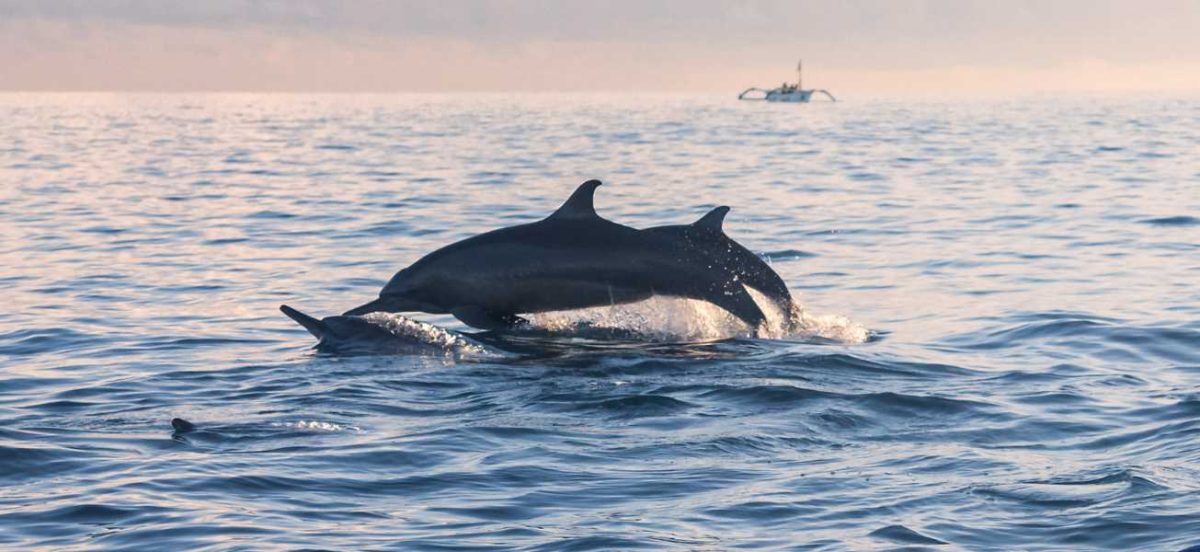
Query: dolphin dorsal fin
712, 221
579, 205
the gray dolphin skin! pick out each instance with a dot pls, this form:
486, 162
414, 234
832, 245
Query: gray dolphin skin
707, 241
355, 335
572, 259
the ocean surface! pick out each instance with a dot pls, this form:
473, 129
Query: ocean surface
1000, 347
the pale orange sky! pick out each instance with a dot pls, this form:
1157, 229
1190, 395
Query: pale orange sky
852, 48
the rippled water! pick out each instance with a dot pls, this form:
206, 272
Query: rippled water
1005, 349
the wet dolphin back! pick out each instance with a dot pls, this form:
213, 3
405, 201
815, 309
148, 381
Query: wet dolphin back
572, 259
706, 241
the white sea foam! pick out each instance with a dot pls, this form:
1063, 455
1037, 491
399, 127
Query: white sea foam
423, 332
662, 318
315, 425
834, 327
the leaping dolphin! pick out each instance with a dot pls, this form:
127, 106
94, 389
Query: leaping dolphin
707, 242
572, 259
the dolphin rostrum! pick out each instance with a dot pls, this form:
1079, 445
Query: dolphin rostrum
381, 334
572, 259
707, 242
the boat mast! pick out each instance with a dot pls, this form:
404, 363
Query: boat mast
800, 75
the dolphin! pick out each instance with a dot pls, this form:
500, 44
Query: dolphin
381, 335
572, 259
707, 242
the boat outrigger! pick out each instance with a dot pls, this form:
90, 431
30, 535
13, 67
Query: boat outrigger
794, 93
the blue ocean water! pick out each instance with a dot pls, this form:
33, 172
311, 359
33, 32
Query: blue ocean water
1001, 350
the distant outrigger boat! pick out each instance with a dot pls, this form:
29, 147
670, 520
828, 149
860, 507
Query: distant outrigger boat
793, 93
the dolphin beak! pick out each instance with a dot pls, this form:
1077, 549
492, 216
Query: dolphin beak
383, 304
314, 326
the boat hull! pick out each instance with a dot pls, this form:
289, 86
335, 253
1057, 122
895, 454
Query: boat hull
794, 96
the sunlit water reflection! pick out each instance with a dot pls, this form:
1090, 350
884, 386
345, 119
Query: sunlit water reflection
1003, 349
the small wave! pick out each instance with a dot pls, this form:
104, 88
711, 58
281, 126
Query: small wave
902, 534
34, 341
1073, 491
1128, 477
759, 511
1054, 328
885, 366
21, 463
599, 542
622, 408
1181, 220
1094, 336
779, 395
928, 406
786, 255
97, 514
493, 513
268, 214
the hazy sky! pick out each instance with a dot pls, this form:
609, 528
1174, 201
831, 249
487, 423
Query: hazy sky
850, 47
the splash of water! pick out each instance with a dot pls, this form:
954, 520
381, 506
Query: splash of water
316, 426
673, 319
423, 332
834, 327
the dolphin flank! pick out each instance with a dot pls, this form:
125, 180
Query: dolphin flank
572, 259
707, 242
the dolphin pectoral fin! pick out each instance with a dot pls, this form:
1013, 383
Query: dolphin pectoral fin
314, 326
739, 303
478, 317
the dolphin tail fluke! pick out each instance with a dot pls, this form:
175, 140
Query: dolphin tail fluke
314, 326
